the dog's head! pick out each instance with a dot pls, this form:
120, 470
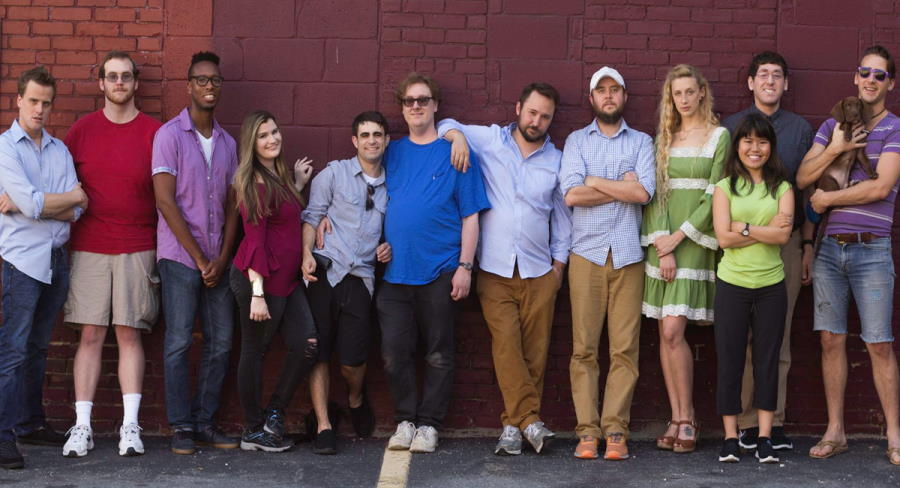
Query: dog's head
848, 110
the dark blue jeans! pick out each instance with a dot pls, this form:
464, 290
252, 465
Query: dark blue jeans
30, 309
184, 296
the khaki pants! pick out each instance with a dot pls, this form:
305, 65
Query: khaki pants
601, 293
791, 254
519, 313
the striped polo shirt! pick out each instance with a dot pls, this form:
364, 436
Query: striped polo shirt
878, 216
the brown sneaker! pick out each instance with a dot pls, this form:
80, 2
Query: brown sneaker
587, 447
616, 447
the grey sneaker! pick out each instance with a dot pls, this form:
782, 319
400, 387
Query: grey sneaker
538, 435
426, 439
510, 443
403, 437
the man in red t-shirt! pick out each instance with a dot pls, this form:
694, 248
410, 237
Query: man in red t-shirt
113, 278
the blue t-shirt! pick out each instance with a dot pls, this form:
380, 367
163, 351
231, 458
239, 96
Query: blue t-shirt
427, 200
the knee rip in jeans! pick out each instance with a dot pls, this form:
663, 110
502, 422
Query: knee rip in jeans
311, 351
438, 360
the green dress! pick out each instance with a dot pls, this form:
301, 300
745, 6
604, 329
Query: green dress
693, 173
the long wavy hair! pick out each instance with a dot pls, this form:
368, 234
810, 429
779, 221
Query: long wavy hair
773, 171
670, 122
277, 186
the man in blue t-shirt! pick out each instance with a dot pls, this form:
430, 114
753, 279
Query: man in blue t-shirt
431, 222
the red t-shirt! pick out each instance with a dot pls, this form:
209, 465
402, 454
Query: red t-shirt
113, 166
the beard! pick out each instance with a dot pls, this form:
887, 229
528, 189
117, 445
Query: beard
120, 98
609, 118
528, 137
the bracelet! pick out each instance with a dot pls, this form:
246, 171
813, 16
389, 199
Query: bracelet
258, 296
807, 241
257, 288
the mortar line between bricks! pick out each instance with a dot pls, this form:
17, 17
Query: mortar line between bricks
394, 469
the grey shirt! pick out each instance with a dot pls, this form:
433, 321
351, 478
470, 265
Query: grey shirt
340, 192
795, 137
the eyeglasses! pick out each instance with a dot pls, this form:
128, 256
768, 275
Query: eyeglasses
126, 77
204, 80
865, 71
370, 192
422, 101
772, 76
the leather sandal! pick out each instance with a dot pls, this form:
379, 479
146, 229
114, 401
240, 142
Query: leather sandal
667, 442
890, 454
686, 445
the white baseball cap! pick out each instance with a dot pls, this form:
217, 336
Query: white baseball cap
605, 72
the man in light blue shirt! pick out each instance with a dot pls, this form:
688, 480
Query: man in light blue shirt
524, 248
608, 174
39, 196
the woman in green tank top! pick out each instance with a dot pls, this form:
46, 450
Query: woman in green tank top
752, 217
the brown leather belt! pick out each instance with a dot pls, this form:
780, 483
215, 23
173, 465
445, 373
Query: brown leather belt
853, 237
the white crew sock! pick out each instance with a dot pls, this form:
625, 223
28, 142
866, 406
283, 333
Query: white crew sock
83, 413
131, 403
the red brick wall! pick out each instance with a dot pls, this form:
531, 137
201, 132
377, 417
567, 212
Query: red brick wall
315, 64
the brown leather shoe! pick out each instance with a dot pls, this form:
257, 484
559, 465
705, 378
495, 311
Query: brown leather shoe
667, 442
682, 445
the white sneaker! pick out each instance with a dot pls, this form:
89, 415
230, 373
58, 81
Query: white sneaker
426, 439
130, 440
403, 437
81, 440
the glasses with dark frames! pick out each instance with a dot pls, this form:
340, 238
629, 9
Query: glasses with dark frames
203, 80
422, 101
865, 71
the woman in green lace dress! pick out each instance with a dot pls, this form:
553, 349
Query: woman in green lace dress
679, 285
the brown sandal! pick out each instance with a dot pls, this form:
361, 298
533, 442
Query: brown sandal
686, 445
667, 442
890, 454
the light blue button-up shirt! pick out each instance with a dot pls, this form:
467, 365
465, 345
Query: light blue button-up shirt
26, 174
614, 225
528, 224
339, 192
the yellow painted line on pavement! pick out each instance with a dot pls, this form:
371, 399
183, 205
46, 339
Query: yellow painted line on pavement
394, 469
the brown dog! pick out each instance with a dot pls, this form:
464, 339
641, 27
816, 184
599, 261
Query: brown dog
848, 113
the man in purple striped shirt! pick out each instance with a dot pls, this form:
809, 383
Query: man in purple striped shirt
855, 254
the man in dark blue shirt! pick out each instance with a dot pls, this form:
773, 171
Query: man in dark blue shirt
767, 79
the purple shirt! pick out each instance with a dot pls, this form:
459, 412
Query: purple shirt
878, 216
200, 189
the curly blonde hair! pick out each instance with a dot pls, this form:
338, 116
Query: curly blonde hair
670, 122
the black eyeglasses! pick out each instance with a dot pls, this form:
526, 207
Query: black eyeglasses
865, 71
204, 80
126, 77
422, 101
370, 192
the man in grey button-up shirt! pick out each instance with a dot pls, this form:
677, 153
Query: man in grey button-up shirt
39, 196
351, 194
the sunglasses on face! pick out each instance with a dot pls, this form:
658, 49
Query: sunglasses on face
204, 80
370, 192
865, 71
422, 101
126, 77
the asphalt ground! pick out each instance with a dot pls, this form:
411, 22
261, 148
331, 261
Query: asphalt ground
458, 462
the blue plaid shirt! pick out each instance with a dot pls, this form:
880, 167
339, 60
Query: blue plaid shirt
615, 225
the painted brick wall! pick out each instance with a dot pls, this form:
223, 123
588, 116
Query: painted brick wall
316, 63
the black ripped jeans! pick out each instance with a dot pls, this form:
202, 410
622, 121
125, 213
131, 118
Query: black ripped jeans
290, 316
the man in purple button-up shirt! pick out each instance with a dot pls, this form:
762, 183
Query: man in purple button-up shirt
194, 161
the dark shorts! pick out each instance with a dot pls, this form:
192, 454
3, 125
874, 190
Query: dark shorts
343, 318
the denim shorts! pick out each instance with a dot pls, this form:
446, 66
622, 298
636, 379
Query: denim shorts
867, 271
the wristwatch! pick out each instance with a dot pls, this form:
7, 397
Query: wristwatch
746, 231
466, 266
